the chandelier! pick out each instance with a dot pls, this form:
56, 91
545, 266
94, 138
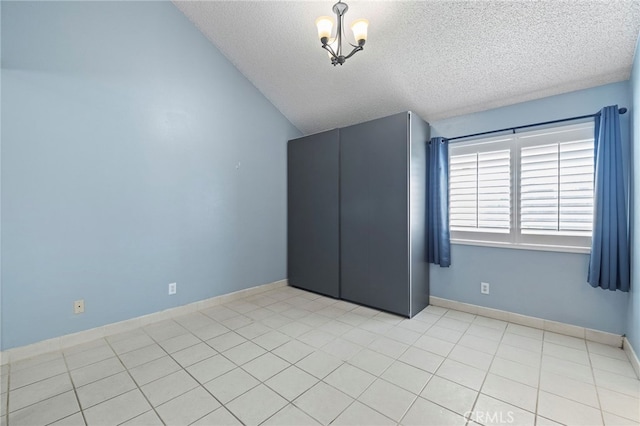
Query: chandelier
334, 45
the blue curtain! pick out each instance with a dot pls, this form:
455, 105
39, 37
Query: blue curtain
609, 266
438, 239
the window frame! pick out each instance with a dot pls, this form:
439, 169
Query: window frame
515, 239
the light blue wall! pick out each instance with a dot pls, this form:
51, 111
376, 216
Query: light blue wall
548, 285
633, 314
133, 155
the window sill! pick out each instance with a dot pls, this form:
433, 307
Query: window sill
535, 247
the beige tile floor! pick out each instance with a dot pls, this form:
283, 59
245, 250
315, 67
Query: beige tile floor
289, 357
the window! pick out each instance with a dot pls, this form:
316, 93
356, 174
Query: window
531, 189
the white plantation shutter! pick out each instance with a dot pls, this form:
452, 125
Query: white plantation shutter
556, 188
576, 187
480, 189
539, 171
556, 185
494, 190
463, 191
553, 174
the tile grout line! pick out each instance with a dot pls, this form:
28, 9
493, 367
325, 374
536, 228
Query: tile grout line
73, 386
41, 400
323, 379
447, 357
134, 381
592, 370
8, 393
346, 362
442, 315
170, 355
595, 384
378, 377
237, 366
291, 338
190, 375
428, 380
493, 357
232, 362
183, 368
67, 372
295, 365
275, 391
535, 420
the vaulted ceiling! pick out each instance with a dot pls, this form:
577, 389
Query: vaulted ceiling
437, 58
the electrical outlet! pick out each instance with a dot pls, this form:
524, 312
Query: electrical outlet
484, 288
173, 288
78, 306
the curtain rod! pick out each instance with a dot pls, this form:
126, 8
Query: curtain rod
513, 129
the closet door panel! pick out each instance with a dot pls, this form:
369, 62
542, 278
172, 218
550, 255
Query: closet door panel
313, 213
374, 214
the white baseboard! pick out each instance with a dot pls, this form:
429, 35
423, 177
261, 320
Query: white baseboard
542, 324
69, 340
633, 357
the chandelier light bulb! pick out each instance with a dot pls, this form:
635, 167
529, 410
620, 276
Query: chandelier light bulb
359, 28
324, 25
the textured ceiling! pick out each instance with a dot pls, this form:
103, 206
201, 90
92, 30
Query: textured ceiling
437, 58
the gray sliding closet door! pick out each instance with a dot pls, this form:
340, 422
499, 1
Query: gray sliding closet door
313, 213
374, 237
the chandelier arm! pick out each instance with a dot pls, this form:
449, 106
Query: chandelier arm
353, 52
330, 50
